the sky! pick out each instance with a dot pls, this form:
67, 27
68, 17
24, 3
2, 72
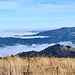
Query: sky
36, 14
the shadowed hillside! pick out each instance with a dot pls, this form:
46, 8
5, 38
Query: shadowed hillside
56, 51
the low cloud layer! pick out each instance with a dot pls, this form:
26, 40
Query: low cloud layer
15, 33
20, 34
31, 37
67, 43
8, 50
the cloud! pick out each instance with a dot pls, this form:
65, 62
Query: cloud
36, 12
20, 34
31, 37
12, 33
56, 8
32, 4
67, 43
8, 50
32, 7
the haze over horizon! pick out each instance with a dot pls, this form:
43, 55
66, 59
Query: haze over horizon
36, 14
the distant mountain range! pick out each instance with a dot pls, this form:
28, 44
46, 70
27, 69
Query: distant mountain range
51, 36
57, 35
55, 50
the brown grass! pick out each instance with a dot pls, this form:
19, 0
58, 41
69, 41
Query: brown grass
37, 66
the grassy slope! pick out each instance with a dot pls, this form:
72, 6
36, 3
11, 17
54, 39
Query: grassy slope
37, 66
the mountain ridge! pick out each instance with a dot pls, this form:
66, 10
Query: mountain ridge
54, 36
55, 50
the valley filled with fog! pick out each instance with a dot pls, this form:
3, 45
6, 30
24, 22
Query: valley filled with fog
8, 50
16, 41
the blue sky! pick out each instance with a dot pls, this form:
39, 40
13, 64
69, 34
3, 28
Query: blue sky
37, 14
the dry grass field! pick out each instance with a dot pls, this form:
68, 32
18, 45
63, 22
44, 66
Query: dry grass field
37, 66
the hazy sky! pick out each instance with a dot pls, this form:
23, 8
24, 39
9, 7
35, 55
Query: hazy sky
38, 14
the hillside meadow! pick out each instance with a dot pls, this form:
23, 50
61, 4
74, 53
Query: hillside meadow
37, 66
